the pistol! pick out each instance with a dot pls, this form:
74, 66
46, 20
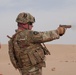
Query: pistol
66, 26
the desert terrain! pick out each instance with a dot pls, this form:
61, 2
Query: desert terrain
62, 61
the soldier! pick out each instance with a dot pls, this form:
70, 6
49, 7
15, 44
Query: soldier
26, 51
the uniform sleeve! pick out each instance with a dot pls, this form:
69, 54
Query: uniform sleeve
11, 54
45, 36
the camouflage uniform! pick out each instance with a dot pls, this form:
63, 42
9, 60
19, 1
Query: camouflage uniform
26, 52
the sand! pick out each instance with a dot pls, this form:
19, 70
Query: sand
62, 61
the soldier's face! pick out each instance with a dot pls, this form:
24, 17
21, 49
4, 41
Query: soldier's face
28, 26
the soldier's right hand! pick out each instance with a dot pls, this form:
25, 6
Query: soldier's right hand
61, 30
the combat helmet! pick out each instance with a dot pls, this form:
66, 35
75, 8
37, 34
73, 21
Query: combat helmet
25, 18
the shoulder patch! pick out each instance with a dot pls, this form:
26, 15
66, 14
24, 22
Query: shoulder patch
35, 32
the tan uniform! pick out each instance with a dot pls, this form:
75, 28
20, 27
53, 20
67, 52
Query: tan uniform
26, 52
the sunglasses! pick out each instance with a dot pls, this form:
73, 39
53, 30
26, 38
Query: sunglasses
30, 23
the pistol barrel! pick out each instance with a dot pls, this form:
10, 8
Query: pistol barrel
66, 26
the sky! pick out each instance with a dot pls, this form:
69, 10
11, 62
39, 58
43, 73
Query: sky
49, 14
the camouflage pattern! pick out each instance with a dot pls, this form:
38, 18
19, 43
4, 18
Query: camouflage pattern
25, 17
11, 54
33, 71
27, 51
